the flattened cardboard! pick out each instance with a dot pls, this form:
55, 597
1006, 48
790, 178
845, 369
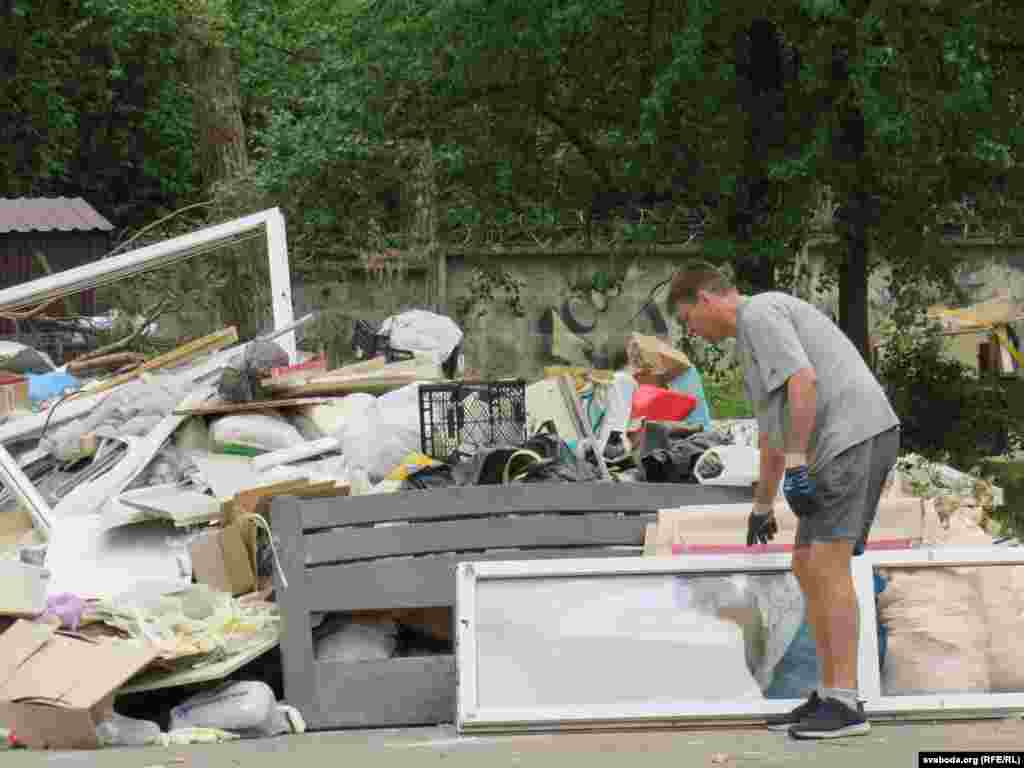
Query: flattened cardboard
55, 687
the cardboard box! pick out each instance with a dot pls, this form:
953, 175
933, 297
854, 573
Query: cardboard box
56, 687
222, 560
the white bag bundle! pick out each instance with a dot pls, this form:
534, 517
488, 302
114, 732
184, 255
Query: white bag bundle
378, 433
420, 331
359, 642
247, 707
254, 431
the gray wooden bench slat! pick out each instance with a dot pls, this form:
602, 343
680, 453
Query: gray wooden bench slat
339, 545
395, 692
414, 582
496, 500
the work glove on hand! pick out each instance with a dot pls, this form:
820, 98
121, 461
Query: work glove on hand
798, 488
761, 525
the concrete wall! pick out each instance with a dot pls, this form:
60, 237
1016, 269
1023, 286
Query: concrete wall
500, 343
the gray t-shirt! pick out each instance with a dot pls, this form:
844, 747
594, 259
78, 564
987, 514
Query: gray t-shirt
776, 336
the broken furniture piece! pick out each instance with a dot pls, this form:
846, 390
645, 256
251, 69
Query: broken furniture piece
334, 561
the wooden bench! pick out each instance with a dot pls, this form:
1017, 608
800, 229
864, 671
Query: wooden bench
335, 560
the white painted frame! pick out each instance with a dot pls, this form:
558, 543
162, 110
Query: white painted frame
123, 265
469, 716
948, 703
114, 268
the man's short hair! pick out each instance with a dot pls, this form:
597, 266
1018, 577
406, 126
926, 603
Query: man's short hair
693, 277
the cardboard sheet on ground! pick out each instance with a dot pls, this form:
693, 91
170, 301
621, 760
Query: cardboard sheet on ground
202, 673
90, 561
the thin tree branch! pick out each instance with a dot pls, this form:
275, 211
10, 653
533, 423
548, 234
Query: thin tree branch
151, 318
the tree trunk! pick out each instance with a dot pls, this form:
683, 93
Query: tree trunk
213, 74
758, 55
853, 280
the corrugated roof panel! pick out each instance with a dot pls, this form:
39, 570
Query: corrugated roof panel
45, 214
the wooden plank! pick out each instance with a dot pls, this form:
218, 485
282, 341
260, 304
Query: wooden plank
395, 692
260, 405
212, 343
297, 661
413, 582
492, 500
345, 544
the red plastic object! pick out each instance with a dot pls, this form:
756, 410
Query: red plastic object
739, 549
657, 404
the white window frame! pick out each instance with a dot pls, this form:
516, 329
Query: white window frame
111, 269
949, 703
471, 717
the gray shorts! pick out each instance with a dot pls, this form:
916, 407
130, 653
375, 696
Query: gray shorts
848, 490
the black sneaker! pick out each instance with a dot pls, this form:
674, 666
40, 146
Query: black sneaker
832, 720
788, 720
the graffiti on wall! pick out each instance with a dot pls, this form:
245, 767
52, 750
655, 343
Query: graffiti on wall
589, 326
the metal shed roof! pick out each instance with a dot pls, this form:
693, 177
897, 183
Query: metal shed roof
47, 214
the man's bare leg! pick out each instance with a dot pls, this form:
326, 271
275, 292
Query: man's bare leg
812, 605
829, 568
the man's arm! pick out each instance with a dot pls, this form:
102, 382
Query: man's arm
802, 390
773, 466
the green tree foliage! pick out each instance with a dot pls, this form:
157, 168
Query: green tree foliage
94, 105
546, 116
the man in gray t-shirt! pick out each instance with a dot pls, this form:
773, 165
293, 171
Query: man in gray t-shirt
827, 429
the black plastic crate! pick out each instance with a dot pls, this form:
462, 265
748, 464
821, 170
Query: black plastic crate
460, 418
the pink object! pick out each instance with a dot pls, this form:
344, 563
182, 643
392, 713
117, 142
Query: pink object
739, 549
657, 404
66, 607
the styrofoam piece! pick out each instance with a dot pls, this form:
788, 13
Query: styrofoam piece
741, 465
297, 453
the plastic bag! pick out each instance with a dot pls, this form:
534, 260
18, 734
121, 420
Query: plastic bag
377, 437
240, 383
244, 707
252, 433
131, 410
359, 642
121, 731
420, 331
45, 386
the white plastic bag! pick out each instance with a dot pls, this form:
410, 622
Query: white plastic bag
420, 331
255, 431
121, 731
245, 707
359, 642
377, 436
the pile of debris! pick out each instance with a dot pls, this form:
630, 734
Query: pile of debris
135, 550
135, 547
